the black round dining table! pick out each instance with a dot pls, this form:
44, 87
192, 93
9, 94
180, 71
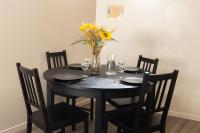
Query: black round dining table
100, 87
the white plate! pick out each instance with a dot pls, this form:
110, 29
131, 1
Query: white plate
133, 70
132, 80
75, 66
67, 77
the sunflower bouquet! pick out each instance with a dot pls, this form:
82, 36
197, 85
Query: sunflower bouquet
95, 36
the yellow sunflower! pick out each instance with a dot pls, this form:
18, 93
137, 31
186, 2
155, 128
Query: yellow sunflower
87, 26
105, 35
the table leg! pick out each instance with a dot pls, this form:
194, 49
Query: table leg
50, 96
99, 110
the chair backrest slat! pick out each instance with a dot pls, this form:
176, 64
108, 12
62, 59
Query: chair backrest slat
56, 59
162, 94
54, 62
157, 92
149, 67
147, 64
26, 86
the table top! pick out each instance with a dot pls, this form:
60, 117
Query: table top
93, 82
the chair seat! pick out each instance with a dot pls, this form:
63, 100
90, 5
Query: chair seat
125, 117
60, 115
122, 102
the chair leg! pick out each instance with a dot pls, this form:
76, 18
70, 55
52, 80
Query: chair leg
118, 130
162, 130
86, 125
73, 104
105, 125
74, 101
29, 125
91, 108
73, 127
67, 100
47, 131
62, 130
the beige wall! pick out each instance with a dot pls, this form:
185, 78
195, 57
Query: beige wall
168, 30
28, 28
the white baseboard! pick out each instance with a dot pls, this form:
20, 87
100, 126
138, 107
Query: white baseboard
184, 115
14, 128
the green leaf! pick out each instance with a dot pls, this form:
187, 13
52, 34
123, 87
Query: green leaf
85, 42
77, 42
81, 37
114, 40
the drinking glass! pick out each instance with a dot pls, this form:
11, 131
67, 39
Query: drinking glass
122, 67
85, 65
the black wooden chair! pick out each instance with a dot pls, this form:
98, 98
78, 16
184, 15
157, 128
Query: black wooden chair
148, 65
150, 113
58, 60
49, 119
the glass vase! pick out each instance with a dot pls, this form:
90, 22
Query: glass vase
96, 65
